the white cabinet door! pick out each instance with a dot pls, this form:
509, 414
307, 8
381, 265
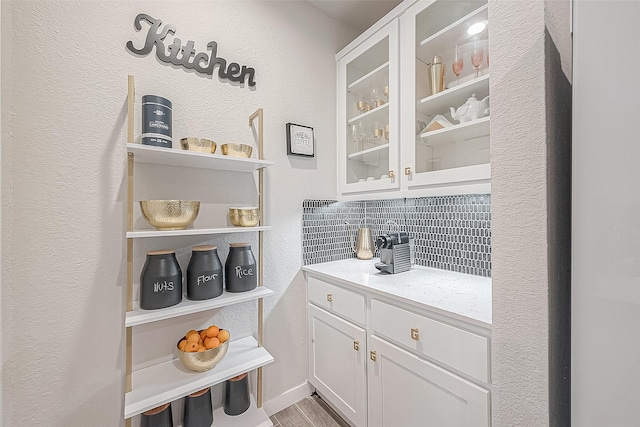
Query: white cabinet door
450, 156
337, 363
368, 129
407, 391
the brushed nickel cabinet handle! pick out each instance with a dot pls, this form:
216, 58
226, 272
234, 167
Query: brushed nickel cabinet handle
330, 297
415, 335
407, 170
372, 355
356, 345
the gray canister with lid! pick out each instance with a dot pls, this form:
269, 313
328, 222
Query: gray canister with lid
240, 269
156, 121
204, 274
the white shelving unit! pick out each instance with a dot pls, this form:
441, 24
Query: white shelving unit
155, 385
371, 154
456, 133
378, 113
169, 381
454, 96
363, 85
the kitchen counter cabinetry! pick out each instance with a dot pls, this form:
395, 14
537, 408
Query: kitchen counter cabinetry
381, 358
414, 161
158, 383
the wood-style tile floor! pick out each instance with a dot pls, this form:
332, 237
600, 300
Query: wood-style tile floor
311, 411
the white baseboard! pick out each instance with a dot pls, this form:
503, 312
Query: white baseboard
288, 398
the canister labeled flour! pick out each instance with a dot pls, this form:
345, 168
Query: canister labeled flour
156, 121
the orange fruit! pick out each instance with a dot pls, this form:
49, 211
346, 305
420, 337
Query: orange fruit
193, 338
223, 335
212, 331
203, 334
192, 347
182, 345
201, 348
212, 343
192, 331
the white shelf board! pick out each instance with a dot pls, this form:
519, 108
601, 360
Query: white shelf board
252, 417
174, 157
446, 39
370, 154
363, 85
452, 134
169, 381
137, 234
138, 316
378, 113
454, 97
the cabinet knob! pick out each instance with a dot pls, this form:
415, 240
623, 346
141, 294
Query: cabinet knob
407, 170
356, 345
372, 355
392, 174
330, 297
415, 335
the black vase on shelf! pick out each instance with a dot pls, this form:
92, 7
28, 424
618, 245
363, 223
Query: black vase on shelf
204, 274
198, 410
236, 395
240, 269
160, 281
158, 417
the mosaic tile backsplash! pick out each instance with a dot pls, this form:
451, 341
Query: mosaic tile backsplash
451, 233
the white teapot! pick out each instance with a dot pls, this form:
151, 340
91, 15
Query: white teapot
471, 110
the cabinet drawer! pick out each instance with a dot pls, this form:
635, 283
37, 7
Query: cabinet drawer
335, 299
459, 349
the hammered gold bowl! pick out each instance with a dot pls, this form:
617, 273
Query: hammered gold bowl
244, 217
236, 150
170, 214
201, 145
203, 360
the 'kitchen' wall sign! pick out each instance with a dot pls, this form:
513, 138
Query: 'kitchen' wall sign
186, 56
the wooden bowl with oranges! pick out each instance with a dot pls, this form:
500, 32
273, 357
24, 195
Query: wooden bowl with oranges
201, 350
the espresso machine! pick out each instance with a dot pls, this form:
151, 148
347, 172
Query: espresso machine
395, 252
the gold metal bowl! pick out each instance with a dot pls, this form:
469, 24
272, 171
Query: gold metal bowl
244, 217
201, 145
237, 150
170, 214
204, 360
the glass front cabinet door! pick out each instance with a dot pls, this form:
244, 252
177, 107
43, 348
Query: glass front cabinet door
368, 127
445, 97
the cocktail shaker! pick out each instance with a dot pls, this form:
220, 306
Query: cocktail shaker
436, 75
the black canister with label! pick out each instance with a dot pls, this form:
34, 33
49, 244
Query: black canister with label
236, 395
240, 269
156, 121
204, 274
160, 281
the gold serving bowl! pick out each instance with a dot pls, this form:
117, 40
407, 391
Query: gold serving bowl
237, 150
204, 360
201, 145
244, 217
170, 214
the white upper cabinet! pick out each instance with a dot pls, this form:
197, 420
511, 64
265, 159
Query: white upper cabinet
368, 114
438, 128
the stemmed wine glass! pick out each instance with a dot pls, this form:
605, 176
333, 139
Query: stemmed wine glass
477, 56
457, 63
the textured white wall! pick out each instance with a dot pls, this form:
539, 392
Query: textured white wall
530, 161
519, 215
64, 182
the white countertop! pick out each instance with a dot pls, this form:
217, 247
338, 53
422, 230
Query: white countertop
463, 296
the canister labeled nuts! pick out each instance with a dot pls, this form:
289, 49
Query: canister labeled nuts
240, 268
156, 121
160, 281
204, 274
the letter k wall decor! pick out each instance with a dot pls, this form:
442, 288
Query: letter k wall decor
186, 56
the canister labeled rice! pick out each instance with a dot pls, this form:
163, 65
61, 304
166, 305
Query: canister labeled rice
156, 121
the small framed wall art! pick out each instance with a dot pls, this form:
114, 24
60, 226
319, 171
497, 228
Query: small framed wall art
300, 141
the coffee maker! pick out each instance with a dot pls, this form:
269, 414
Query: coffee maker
395, 252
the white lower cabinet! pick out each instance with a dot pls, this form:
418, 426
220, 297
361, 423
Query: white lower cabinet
405, 368
407, 391
337, 363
